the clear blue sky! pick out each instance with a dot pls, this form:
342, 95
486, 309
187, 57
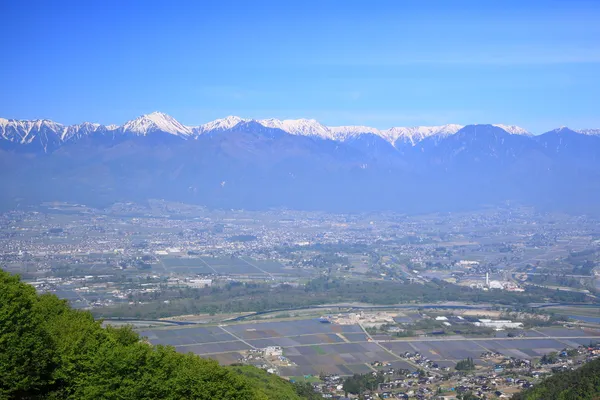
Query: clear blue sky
377, 63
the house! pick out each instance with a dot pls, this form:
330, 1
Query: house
273, 351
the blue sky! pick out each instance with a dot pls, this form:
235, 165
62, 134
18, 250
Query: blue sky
377, 63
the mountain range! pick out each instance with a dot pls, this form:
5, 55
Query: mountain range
246, 163
47, 134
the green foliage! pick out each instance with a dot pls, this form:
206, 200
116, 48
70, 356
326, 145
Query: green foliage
467, 396
248, 297
405, 333
550, 358
50, 351
360, 383
580, 384
274, 387
306, 391
465, 365
27, 357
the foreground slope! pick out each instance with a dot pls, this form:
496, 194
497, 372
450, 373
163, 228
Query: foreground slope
49, 351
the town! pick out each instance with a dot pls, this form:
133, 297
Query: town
99, 258
358, 305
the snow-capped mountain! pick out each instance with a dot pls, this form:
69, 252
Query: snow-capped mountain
156, 122
415, 134
297, 163
513, 129
221, 124
563, 130
24, 132
343, 133
42, 133
48, 135
311, 127
589, 131
74, 132
304, 127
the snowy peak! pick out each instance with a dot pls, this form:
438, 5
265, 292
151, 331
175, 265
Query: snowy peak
311, 127
26, 132
513, 129
592, 132
80, 130
221, 124
47, 124
48, 135
564, 130
415, 134
300, 127
304, 127
346, 132
154, 122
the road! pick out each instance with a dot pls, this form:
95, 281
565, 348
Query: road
237, 337
417, 366
258, 268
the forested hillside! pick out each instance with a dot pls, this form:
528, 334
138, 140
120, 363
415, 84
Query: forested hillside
580, 384
50, 351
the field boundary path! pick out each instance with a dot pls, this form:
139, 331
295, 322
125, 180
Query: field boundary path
370, 338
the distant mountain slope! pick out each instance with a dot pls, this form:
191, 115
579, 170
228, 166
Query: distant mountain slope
244, 163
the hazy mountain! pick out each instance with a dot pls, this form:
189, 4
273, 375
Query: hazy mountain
236, 162
571, 149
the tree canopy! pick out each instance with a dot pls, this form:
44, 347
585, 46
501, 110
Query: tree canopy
465, 365
580, 384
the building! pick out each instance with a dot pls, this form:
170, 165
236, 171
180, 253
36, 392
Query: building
273, 351
499, 324
198, 283
468, 263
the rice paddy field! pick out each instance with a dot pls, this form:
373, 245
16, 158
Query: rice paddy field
316, 347
227, 266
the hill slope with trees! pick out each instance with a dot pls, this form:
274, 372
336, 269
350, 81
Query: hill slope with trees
50, 351
580, 384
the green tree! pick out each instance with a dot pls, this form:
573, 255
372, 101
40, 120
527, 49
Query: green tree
579, 384
465, 365
27, 354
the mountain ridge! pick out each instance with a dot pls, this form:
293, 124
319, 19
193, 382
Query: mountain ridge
20, 131
245, 163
